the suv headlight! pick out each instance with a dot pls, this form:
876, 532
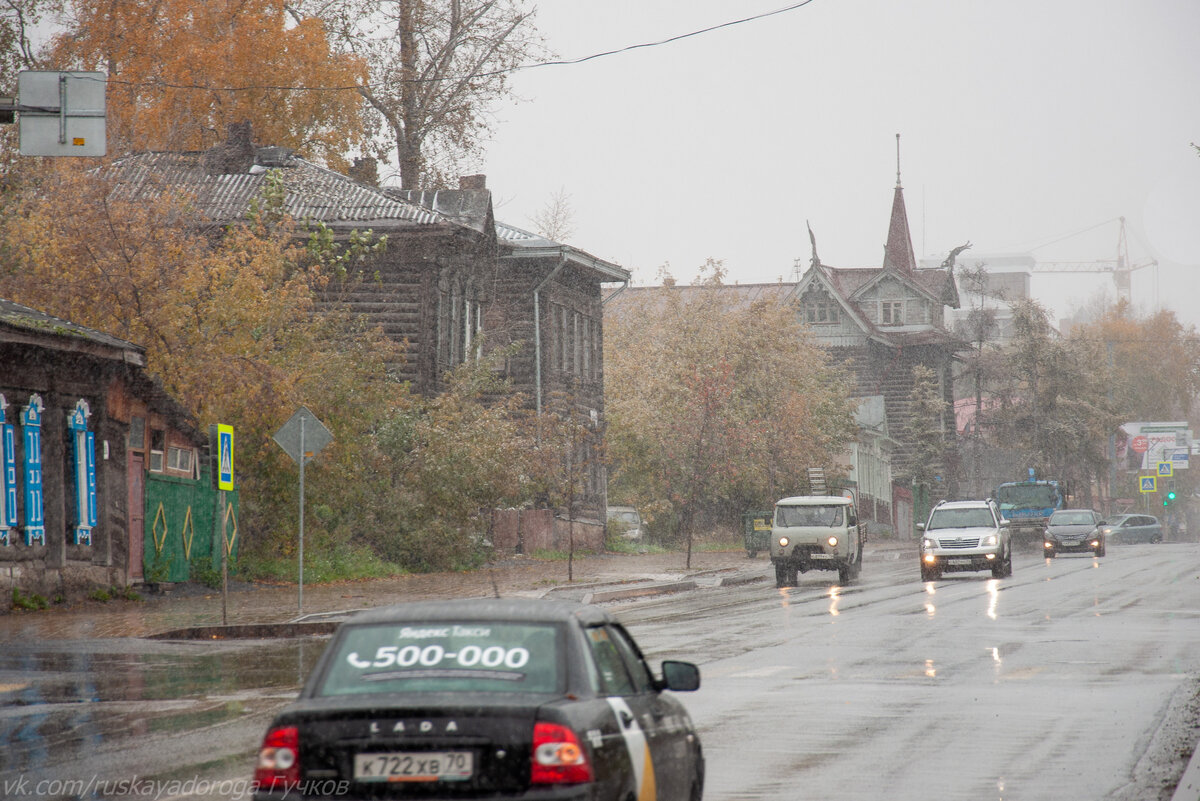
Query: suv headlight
990, 539
928, 543
783, 541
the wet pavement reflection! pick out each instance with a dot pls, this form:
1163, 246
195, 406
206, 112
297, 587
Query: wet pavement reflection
65, 703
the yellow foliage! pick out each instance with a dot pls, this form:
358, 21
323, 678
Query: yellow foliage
180, 71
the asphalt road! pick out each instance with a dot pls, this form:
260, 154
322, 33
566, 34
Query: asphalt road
1070, 680
1052, 684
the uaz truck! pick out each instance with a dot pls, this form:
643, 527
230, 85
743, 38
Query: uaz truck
815, 532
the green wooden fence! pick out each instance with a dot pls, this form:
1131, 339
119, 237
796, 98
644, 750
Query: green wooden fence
183, 529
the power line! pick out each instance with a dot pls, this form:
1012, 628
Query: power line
518, 68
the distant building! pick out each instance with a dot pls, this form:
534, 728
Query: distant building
1007, 282
884, 321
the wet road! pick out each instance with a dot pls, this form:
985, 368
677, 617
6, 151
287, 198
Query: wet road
1047, 685
118, 718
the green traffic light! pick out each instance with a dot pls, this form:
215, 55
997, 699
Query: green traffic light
1171, 495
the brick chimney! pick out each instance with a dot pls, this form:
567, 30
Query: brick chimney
235, 154
365, 170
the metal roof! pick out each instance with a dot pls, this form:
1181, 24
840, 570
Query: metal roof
311, 192
526, 244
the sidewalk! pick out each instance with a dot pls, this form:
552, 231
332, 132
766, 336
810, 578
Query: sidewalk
597, 578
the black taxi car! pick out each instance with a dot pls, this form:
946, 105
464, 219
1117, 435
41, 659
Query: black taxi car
485, 698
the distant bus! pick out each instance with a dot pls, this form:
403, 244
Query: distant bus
1029, 503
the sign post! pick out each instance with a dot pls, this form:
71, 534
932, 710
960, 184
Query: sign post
302, 437
222, 435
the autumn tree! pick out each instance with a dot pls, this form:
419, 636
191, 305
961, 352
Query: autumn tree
436, 70
442, 464
1054, 409
925, 437
18, 19
1141, 369
716, 405
180, 71
226, 316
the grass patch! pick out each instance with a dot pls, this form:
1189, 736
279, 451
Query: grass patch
627, 546
549, 556
321, 567
32, 602
101, 594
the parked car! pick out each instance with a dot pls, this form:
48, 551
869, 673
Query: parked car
1132, 528
965, 535
627, 521
496, 698
1073, 531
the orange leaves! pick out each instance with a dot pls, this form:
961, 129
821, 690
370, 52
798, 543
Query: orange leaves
180, 71
717, 401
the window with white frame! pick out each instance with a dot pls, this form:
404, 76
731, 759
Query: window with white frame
891, 312
179, 459
158, 443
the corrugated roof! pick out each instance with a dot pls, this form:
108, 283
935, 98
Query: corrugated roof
311, 192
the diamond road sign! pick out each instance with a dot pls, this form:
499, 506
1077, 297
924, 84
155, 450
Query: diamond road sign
303, 427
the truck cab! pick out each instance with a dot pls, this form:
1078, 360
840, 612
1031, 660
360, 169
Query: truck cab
815, 532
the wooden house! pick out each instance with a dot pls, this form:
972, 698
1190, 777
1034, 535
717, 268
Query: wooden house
450, 278
883, 322
85, 435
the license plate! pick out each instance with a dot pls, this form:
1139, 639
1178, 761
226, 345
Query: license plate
958, 561
1071, 542
414, 766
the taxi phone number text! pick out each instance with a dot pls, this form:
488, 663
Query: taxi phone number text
492, 656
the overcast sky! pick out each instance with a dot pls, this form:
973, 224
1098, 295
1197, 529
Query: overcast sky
1021, 122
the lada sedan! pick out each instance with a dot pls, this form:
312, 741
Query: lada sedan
498, 699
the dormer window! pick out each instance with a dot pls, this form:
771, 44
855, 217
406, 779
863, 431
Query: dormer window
891, 312
821, 311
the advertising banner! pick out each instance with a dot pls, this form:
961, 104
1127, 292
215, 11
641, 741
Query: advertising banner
1142, 446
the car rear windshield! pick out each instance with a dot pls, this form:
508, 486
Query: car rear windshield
1070, 518
794, 516
961, 518
446, 657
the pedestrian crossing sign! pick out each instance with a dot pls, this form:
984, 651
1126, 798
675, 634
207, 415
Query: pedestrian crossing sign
1149, 484
224, 457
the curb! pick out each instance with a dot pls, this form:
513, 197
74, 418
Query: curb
1188, 788
636, 592
249, 631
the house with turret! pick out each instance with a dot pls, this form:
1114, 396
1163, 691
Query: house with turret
885, 321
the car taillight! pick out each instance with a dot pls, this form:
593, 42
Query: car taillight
558, 756
279, 759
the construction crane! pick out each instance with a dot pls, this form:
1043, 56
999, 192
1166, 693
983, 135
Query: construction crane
1120, 268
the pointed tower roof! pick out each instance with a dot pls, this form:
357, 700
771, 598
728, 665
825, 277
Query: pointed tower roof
898, 255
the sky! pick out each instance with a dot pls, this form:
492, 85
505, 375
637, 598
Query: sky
1026, 126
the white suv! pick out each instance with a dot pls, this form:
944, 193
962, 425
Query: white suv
965, 535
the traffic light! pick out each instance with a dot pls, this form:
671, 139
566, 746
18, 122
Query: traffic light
1170, 497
